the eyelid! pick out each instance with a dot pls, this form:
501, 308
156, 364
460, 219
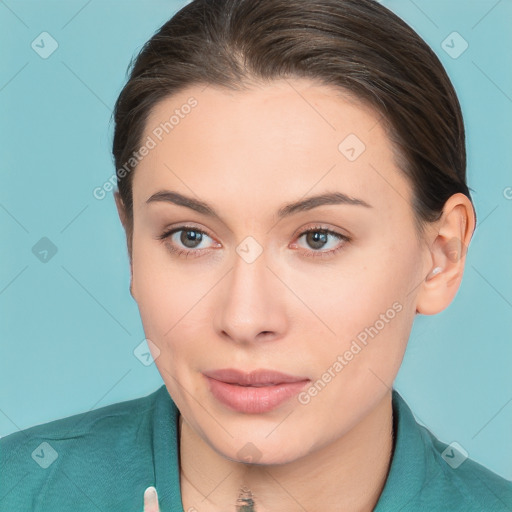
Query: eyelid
319, 226
166, 232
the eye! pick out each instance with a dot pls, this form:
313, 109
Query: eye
189, 237
317, 237
186, 240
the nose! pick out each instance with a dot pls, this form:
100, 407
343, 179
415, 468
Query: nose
250, 307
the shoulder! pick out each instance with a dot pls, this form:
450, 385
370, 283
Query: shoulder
97, 424
427, 474
463, 482
77, 455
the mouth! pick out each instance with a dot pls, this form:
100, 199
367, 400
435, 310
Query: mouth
256, 378
253, 392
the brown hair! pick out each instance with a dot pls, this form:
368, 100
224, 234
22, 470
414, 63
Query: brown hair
358, 46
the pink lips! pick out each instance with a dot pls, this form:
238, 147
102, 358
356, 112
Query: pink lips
255, 392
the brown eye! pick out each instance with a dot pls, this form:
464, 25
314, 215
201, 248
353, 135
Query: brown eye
188, 241
190, 237
318, 237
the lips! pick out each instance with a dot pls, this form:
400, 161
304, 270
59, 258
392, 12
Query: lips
256, 378
254, 392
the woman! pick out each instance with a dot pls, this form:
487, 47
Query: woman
291, 179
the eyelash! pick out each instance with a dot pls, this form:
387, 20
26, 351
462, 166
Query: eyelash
308, 254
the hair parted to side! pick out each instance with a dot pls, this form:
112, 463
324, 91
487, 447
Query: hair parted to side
358, 46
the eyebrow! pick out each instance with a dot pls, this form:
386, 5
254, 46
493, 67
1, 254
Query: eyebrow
330, 198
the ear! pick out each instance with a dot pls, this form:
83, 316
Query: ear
448, 255
121, 210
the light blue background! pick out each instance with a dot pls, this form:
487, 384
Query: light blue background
69, 326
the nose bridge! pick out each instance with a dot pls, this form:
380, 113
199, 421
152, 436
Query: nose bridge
250, 303
249, 278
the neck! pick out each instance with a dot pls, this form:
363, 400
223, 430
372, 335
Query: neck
347, 474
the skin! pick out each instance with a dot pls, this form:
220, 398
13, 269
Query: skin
247, 154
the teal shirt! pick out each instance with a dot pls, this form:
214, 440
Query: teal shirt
104, 460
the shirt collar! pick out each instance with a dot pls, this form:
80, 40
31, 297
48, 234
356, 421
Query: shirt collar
166, 452
410, 468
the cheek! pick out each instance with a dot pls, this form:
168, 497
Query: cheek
366, 309
163, 290
174, 301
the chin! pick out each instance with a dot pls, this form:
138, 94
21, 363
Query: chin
264, 453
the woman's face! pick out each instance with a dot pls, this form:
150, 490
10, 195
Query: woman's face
249, 288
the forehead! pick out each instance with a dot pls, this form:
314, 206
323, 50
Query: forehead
290, 136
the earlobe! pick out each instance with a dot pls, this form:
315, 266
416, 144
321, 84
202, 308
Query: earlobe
442, 282
447, 256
